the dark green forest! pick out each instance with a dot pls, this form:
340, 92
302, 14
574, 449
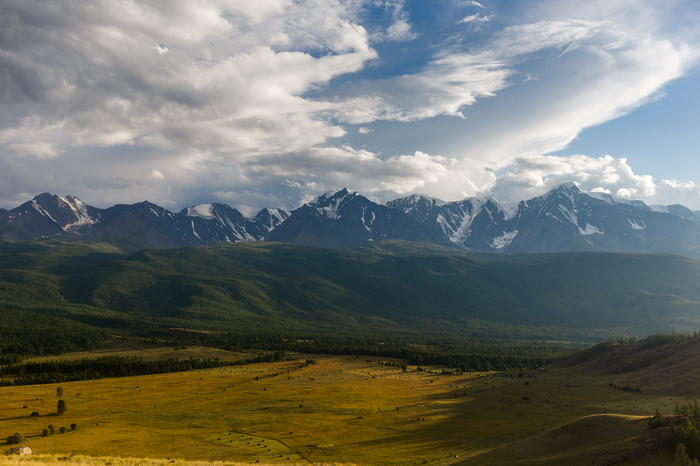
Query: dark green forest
421, 303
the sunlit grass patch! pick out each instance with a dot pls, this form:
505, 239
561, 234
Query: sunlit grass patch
266, 450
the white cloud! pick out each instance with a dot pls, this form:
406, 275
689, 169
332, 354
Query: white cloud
157, 175
399, 29
235, 96
530, 177
604, 80
358, 170
37, 149
475, 19
209, 81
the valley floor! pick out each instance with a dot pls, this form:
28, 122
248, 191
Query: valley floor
338, 410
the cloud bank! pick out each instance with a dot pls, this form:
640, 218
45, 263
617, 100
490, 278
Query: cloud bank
257, 102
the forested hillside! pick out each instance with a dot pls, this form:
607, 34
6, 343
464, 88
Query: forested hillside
393, 289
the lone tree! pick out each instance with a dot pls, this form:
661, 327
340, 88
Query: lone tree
61, 408
59, 391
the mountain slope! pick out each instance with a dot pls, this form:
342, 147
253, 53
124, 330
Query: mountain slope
137, 226
346, 220
382, 287
564, 219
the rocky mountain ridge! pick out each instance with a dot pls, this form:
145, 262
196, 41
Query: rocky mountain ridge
563, 219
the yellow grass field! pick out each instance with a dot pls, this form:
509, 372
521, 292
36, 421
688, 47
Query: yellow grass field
136, 347
340, 410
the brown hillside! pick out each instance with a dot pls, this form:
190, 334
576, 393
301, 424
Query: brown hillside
673, 367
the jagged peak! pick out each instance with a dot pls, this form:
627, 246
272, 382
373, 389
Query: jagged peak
332, 195
412, 198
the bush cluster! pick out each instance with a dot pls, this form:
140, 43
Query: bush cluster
16, 438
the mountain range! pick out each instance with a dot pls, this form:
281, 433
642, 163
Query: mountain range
564, 219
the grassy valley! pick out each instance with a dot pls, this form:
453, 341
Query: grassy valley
349, 409
396, 353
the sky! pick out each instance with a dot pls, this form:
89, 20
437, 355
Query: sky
274, 102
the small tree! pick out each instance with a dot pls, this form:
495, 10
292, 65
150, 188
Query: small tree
61, 408
59, 391
657, 420
17, 438
74, 427
45, 433
52, 428
63, 430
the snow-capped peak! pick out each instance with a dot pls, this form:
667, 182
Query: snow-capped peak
333, 204
279, 214
327, 195
205, 211
80, 211
416, 198
614, 200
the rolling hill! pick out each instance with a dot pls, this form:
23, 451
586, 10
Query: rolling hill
387, 287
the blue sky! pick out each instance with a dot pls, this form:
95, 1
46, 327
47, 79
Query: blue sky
661, 137
273, 102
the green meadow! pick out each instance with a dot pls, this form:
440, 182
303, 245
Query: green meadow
339, 410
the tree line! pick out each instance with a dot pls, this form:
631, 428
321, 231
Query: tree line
117, 366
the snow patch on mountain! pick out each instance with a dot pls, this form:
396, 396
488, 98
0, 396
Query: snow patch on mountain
660, 208
41, 210
205, 211
509, 210
364, 223
193, 230
590, 230
504, 240
570, 216
636, 226
279, 214
457, 226
80, 211
331, 210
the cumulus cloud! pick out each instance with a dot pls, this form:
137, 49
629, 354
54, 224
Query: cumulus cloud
356, 169
532, 176
157, 175
233, 99
212, 77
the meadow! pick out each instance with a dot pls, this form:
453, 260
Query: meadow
339, 409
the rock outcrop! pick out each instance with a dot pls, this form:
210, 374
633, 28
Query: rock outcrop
21, 450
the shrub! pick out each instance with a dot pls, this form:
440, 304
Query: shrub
657, 420
52, 428
45, 433
63, 430
61, 407
59, 391
34, 414
74, 427
17, 438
